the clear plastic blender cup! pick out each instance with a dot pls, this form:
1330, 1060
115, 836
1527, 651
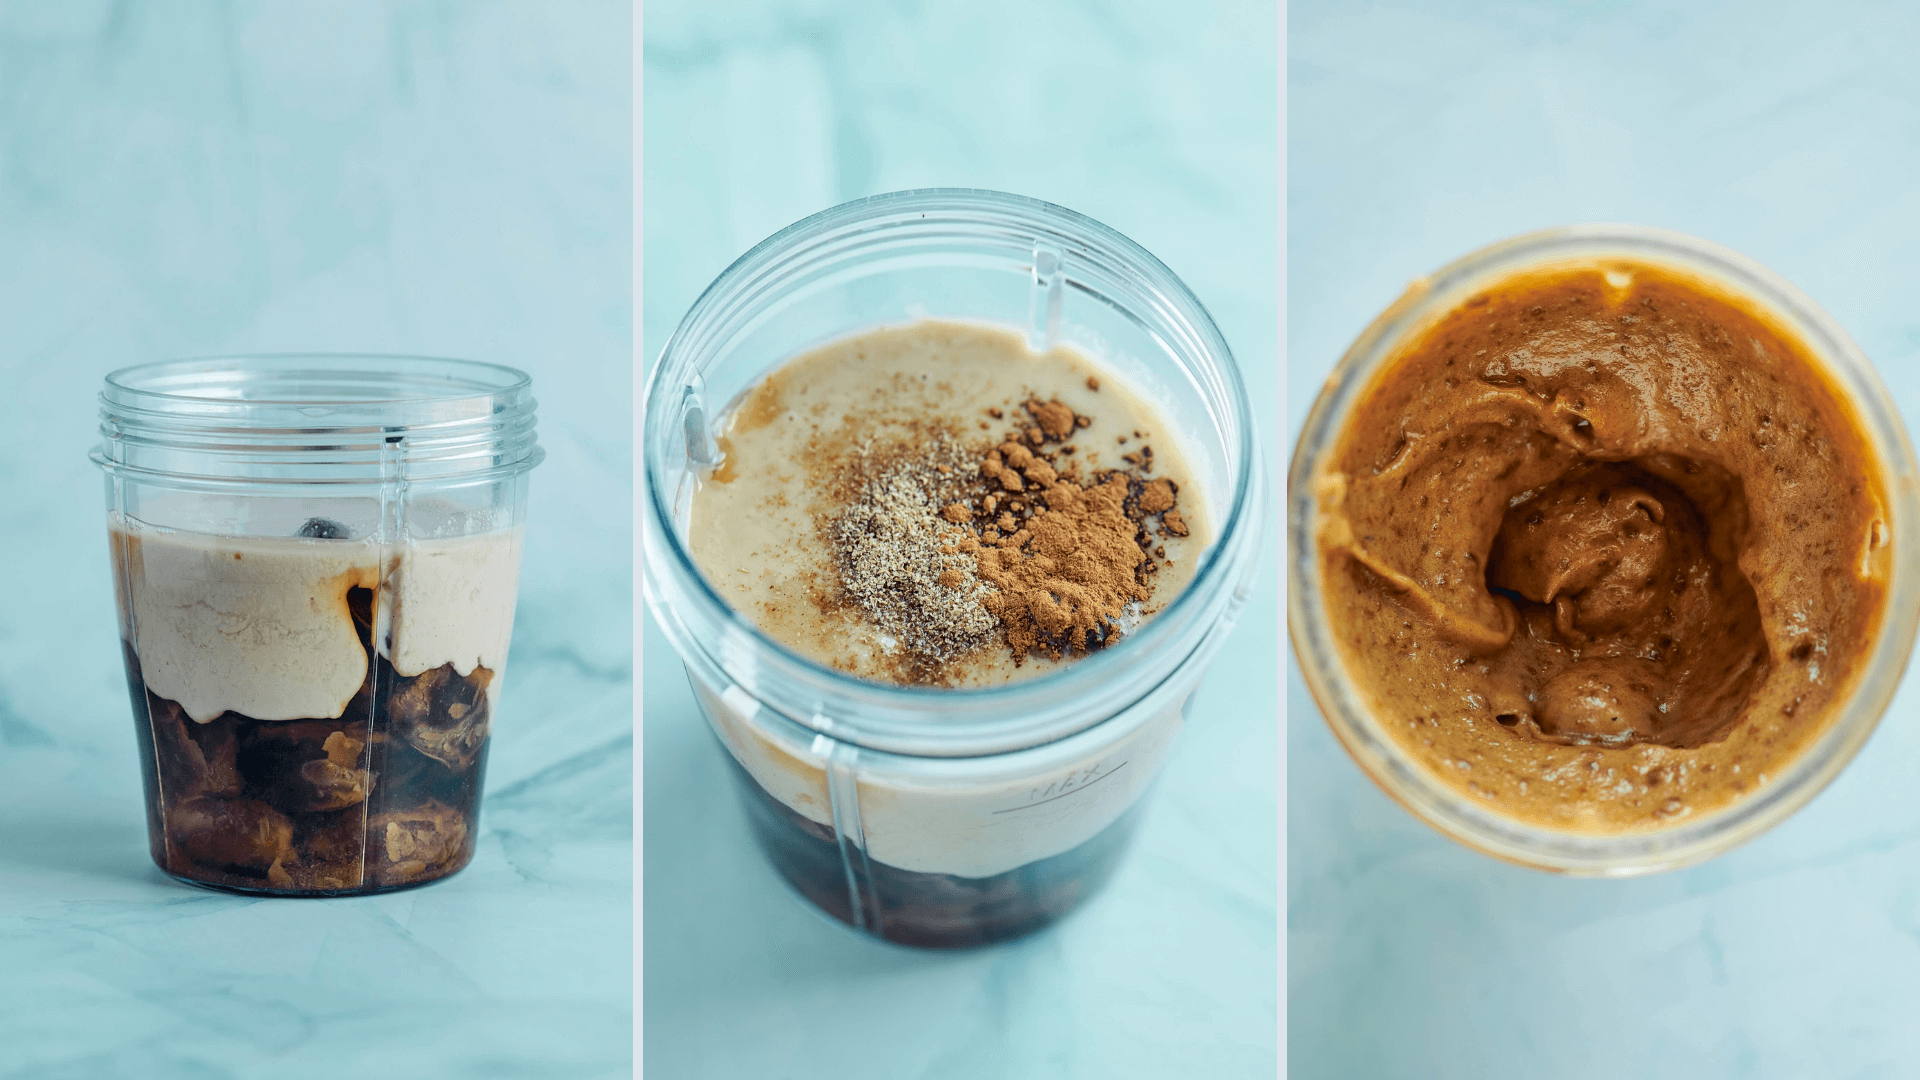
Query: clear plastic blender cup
942, 817
316, 560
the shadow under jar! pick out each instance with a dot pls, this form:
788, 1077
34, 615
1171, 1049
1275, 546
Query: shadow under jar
315, 560
947, 816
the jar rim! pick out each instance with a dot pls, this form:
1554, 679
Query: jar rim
896, 715
347, 420
126, 383
1406, 780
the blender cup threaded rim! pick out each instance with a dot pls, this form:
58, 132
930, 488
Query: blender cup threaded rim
437, 378
336, 420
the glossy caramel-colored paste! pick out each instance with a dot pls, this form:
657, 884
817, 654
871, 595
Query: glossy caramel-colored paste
1605, 547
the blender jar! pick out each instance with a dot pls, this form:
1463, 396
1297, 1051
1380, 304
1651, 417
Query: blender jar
1343, 702
315, 561
944, 817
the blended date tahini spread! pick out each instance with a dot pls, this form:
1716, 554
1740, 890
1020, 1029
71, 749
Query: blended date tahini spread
1604, 546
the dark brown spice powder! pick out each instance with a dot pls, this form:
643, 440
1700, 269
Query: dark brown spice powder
933, 552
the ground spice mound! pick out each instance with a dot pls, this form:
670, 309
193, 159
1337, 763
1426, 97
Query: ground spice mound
952, 546
895, 563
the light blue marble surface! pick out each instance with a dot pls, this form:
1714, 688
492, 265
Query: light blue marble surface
190, 178
1163, 125
1789, 132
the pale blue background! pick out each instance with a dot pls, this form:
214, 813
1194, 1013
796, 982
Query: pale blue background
1790, 133
192, 177
1162, 125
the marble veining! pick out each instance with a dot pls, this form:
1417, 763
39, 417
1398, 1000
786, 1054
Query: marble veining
207, 178
1785, 132
1163, 125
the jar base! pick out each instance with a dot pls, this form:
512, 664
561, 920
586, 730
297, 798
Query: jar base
306, 894
929, 910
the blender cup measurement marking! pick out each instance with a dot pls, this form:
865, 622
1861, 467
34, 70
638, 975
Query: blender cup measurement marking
1071, 790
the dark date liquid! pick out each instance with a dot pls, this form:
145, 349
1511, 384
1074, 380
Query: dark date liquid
384, 796
943, 911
